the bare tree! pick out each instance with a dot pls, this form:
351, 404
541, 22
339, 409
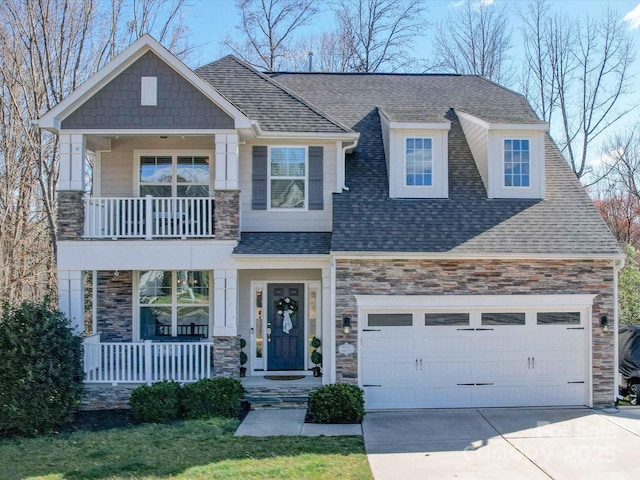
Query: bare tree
474, 40
266, 31
579, 73
378, 34
47, 49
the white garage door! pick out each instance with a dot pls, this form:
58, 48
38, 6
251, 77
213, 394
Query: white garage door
474, 358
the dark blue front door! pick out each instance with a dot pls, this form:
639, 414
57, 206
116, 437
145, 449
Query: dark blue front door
285, 342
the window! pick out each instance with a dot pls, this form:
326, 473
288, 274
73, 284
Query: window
446, 319
503, 319
418, 162
390, 319
516, 163
174, 304
174, 175
558, 318
288, 177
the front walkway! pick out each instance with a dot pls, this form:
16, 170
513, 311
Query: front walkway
501, 444
290, 422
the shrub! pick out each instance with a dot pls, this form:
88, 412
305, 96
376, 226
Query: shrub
157, 403
213, 397
40, 369
337, 403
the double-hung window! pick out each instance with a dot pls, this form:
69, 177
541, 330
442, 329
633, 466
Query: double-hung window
174, 175
516, 163
174, 303
418, 162
288, 178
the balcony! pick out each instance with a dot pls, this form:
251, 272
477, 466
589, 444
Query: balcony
149, 218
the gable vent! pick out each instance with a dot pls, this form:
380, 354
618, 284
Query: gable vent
149, 91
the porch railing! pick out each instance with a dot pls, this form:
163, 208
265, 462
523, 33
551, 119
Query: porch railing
149, 217
146, 362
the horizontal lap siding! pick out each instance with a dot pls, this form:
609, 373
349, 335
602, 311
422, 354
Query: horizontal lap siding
273, 221
486, 277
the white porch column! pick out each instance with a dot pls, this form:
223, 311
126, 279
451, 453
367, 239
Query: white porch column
328, 328
225, 301
227, 169
71, 297
72, 149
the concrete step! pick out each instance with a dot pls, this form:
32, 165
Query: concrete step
278, 396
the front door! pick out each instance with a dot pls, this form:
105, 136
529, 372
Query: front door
285, 326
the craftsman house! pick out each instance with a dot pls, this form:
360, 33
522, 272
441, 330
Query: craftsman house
424, 227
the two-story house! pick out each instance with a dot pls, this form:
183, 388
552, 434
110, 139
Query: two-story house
424, 227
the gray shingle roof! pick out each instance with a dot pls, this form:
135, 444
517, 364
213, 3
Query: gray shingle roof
284, 243
366, 219
261, 99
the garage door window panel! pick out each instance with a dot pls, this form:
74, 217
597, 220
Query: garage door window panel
390, 319
503, 319
558, 318
446, 319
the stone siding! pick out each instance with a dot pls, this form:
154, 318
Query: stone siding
114, 306
227, 215
226, 357
106, 396
478, 277
70, 216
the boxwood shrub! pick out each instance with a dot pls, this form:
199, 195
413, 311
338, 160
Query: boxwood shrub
337, 403
157, 403
40, 369
213, 397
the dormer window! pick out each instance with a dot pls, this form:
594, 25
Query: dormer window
516, 163
418, 162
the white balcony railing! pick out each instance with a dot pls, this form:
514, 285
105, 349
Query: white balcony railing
146, 362
149, 217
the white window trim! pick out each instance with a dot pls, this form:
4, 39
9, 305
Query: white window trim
135, 334
174, 154
439, 187
305, 179
530, 139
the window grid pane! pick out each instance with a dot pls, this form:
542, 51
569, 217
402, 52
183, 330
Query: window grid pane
419, 162
516, 163
288, 174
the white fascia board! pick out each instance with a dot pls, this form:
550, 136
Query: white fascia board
473, 301
470, 256
52, 119
310, 135
146, 254
542, 127
419, 126
274, 262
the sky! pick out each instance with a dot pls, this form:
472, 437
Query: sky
209, 19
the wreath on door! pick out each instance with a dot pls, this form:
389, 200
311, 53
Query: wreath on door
286, 307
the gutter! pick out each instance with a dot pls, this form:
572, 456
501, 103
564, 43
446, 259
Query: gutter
343, 160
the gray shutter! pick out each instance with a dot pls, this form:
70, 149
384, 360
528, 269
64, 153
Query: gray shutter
259, 177
315, 178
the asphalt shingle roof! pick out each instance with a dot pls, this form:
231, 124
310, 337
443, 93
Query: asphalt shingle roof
284, 243
259, 98
365, 218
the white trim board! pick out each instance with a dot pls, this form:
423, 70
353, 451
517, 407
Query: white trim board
402, 302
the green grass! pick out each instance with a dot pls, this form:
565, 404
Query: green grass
196, 449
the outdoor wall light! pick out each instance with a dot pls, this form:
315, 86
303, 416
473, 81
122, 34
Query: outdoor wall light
346, 325
604, 323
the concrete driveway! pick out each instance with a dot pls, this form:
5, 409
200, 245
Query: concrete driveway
501, 444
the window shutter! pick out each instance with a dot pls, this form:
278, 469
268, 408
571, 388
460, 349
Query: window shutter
315, 178
259, 189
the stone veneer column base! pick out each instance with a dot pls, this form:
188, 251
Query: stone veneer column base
226, 356
226, 215
70, 216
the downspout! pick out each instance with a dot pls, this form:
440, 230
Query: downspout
343, 161
617, 266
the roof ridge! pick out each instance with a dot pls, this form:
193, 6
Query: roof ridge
296, 97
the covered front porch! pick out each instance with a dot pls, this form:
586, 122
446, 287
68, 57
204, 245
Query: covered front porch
144, 326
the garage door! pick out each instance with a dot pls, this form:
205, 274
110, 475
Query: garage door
474, 358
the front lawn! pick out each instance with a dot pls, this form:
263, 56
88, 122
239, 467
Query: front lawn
195, 449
